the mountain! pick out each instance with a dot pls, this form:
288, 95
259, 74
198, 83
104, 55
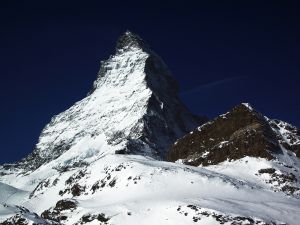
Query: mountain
101, 161
241, 133
133, 106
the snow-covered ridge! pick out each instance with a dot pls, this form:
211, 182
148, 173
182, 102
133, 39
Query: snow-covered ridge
139, 190
289, 133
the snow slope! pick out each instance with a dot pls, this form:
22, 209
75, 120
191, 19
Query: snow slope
139, 190
10, 194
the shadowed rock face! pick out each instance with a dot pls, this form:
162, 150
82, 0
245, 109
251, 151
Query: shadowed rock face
288, 135
234, 135
60, 211
128, 40
295, 149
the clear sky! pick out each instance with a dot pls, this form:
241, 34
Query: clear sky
221, 53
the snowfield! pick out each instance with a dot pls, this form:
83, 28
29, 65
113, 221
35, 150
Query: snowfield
139, 190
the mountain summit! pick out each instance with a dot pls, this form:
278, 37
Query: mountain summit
133, 106
130, 40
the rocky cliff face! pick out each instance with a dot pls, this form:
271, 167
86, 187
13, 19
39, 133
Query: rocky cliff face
241, 132
287, 134
133, 105
244, 133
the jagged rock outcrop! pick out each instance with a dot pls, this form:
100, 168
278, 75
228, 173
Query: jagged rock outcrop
288, 135
241, 132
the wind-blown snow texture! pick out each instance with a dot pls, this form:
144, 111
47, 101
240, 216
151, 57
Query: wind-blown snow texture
74, 176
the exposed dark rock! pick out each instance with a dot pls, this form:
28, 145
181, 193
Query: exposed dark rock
112, 183
2, 174
54, 183
120, 167
95, 186
55, 214
281, 181
73, 186
62, 192
268, 170
239, 133
47, 215
24, 217
289, 189
15, 220
65, 205
89, 218
77, 189
293, 148
75, 177
121, 152
193, 207
197, 214
283, 178
102, 218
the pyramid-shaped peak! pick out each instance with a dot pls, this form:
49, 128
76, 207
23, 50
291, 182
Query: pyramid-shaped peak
130, 40
133, 108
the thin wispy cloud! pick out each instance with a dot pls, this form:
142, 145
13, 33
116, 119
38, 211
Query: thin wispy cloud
212, 85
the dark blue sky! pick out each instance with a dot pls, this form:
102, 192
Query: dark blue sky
220, 53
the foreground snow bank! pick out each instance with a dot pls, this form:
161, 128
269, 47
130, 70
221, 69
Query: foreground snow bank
140, 190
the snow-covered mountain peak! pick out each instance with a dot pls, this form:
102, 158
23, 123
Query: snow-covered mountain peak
128, 41
134, 57
132, 108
